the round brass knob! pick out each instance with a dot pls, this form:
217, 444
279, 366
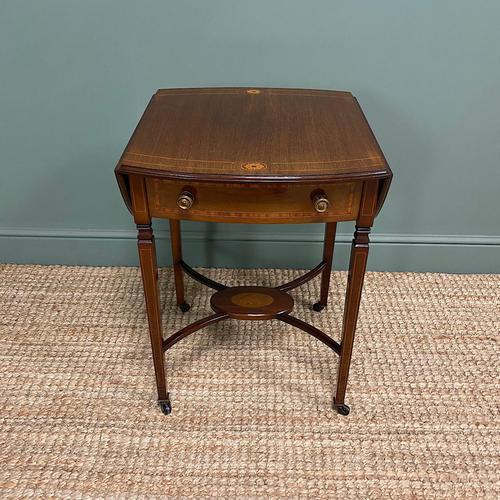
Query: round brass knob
320, 203
185, 200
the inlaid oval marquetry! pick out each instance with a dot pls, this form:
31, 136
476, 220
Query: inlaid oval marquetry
253, 91
251, 302
252, 299
253, 166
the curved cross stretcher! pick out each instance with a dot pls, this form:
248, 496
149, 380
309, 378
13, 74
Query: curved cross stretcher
251, 302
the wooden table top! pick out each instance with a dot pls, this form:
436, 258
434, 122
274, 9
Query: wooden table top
254, 135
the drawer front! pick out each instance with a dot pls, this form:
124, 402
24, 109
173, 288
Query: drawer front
259, 203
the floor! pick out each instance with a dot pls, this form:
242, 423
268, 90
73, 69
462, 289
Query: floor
251, 400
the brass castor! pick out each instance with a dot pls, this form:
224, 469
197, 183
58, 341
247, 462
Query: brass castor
165, 407
342, 409
184, 307
318, 307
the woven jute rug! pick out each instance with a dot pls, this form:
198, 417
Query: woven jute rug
251, 400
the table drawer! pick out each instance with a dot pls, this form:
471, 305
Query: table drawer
258, 203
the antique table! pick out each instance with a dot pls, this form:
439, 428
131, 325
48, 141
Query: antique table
253, 155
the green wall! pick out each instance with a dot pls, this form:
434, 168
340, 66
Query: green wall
76, 75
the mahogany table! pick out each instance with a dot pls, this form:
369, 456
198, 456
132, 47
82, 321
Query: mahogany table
253, 155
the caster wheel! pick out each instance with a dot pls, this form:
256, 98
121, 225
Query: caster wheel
318, 307
342, 409
184, 307
165, 407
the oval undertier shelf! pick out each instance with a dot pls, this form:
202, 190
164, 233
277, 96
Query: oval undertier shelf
251, 302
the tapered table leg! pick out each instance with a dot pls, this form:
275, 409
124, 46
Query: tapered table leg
357, 268
175, 238
149, 271
328, 245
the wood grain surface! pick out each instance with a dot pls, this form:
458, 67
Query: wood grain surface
257, 134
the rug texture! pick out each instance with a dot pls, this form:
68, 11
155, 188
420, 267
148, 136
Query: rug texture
251, 401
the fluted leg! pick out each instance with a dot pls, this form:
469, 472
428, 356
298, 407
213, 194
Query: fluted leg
149, 271
328, 245
175, 238
357, 267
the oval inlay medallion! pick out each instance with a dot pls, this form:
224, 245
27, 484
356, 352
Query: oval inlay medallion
253, 91
251, 302
254, 166
252, 299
